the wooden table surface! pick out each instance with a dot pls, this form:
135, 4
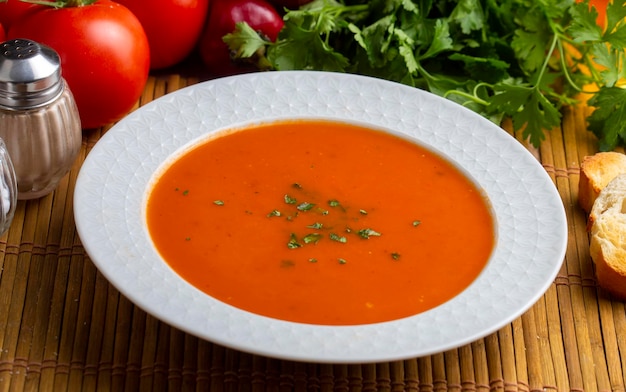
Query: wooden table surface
64, 327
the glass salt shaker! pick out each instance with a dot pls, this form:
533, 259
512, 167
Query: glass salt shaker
8, 189
39, 120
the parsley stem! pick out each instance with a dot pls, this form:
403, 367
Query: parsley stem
566, 72
471, 97
546, 61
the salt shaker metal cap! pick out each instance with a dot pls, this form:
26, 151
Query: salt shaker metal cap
39, 120
30, 74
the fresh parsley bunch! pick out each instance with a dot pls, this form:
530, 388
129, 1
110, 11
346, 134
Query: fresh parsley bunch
522, 59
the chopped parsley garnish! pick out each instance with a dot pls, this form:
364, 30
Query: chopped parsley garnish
334, 203
217, 202
311, 238
367, 233
338, 238
274, 213
306, 206
306, 235
293, 242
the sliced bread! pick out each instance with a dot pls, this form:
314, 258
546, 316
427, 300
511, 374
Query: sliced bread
608, 236
595, 173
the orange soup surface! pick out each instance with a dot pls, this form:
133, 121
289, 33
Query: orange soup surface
320, 222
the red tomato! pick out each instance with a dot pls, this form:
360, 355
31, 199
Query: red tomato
2, 34
223, 15
13, 10
173, 27
104, 53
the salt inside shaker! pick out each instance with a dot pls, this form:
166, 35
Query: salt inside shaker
39, 120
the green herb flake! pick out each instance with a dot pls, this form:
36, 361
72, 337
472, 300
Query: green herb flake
338, 238
274, 213
362, 212
367, 233
342, 261
312, 260
293, 242
395, 256
316, 226
290, 200
334, 203
306, 206
312, 238
187, 238
218, 202
185, 192
295, 185
416, 223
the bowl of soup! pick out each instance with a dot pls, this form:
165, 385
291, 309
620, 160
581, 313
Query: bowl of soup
320, 216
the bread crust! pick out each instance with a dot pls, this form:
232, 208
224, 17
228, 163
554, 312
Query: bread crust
608, 237
596, 171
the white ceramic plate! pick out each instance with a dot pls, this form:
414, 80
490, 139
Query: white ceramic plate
111, 189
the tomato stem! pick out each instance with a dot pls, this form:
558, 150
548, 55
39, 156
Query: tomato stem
60, 3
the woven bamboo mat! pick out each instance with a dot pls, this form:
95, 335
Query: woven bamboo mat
64, 327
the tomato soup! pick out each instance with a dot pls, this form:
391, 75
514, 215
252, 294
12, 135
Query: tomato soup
320, 222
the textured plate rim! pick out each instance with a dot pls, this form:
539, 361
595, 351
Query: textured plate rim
113, 179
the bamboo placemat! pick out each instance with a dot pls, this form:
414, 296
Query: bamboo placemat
64, 327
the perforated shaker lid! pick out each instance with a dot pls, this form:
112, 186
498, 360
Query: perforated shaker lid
30, 74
